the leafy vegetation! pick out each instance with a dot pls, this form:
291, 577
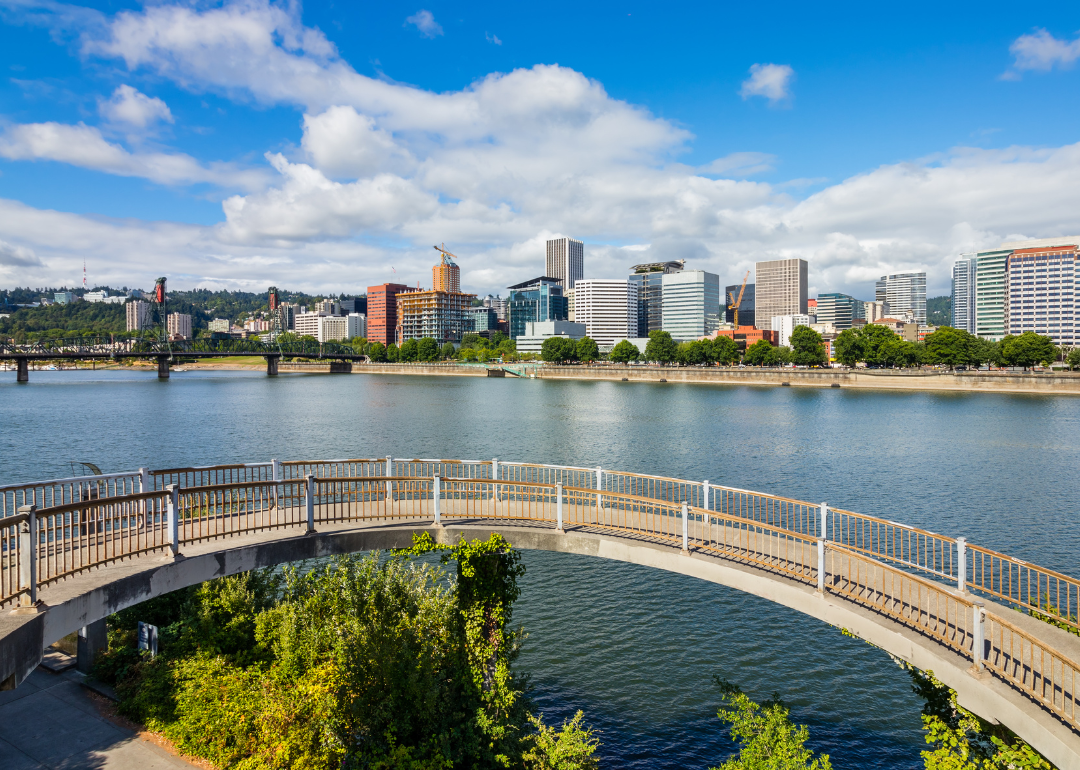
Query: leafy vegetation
660, 347
939, 311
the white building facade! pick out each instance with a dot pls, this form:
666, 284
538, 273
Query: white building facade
179, 324
784, 325
331, 328
781, 287
138, 315
608, 309
565, 261
690, 304
538, 331
963, 292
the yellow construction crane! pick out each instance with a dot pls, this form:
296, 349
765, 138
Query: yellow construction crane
447, 255
737, 302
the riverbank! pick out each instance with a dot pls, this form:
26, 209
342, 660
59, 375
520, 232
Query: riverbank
1058, 383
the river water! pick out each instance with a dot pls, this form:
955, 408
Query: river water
635, 648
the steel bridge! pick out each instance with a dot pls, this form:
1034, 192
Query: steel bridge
339, 354
1001, 632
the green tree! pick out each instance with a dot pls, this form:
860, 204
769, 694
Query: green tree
409, 351
427, 349
767, 738
507, 347
624, 352
949, 346
392, 353
473, 341
497, 338
376, 351
558, 350
848, 347
982, 351
692, 353
900, 353
807, 347
1028, 349
660, 347
570, 748
758, 354
871, 338
587, 350
1073, 359
448, 351
723, 350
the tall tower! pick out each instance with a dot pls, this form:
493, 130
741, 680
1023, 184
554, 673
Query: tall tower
566, 262
446, 275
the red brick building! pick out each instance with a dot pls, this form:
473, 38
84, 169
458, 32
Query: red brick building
745, 336
382, 312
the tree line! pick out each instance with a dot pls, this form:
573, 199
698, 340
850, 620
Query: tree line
877, 345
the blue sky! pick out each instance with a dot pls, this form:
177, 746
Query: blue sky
326, 146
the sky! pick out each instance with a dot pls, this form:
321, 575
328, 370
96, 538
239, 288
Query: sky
326, 147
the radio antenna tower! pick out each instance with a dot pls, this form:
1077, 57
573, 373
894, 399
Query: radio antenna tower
84, 276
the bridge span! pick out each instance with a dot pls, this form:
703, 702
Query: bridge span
73, 551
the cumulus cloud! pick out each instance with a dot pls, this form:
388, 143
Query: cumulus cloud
493, 39
134, 109
740, 164
773, 81
17, 256
84, 146
1041, 51
425, 22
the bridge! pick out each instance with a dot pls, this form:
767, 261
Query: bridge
339, 354
1001, 632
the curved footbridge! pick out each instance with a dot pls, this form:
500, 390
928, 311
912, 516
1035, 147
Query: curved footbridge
73, 551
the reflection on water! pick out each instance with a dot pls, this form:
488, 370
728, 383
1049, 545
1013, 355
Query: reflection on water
634, 647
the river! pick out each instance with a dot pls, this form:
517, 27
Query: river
635, 648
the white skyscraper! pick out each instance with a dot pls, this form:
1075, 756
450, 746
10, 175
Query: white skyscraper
608, 308
963, 292
903, 294
691, 304
784, 325
781, 288
565, 261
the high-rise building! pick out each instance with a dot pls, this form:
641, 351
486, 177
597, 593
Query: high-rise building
990, 293
565, 262
481, 320
138, 315
691, 304
781, 286
904, 294
446, 275
747, 317
532, 341
498, 304
840, 310
179, 325
328, 306
649, 280
441, 315
784, 325
540, 299
963, 292
1042, 291
357, 305
873, 310
382, 311
608, 308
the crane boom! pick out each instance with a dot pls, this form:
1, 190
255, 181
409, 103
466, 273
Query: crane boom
446, 255
738, 301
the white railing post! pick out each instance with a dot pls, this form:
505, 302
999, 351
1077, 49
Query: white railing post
705, 495
28, 556
961, 564
310, 495
494, 486
389, 484
978, 637
275, 473
144, 486
685, 529
822, 539
172, 512
599, 486
436, 491
558, 506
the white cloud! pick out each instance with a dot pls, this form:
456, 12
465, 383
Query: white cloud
1041, 51
17, 256
425, 22
493, 39
84, 146
134, 109
773, 81
740, 164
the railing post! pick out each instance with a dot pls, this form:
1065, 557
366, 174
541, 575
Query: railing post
978, 637
436, 492
494, 486
28, 556
599, 486
172, 512
275, 475
705, 495
685, 528
389, 484
310, 500
822, 540
961, 564
144, 486
558, 507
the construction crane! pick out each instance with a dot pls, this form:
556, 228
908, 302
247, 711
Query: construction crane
447, 257
736, 302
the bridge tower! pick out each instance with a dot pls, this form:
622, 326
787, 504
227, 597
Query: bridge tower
278, 323
159, 314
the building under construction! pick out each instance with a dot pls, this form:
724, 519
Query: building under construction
439, 313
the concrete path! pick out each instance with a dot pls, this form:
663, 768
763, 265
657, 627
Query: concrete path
49, 721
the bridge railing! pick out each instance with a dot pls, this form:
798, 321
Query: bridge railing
58, 492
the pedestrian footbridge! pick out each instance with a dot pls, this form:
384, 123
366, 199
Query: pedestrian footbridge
1001, 632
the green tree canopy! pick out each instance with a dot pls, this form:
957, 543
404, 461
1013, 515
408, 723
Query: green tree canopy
392, 353
408, 351
948, 346
660, 347
848, 347
807, 347
1028, 349
558, 350
624, 352
693, 353
759, 354
497, 338
448, 351
376, 351
1073, 359
723, 350
427, 349
871, 338
586, 350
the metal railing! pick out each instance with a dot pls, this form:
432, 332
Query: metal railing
63, 527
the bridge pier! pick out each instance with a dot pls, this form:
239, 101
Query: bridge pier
340, 367
93, 639
163, 367
272, 365
22, 370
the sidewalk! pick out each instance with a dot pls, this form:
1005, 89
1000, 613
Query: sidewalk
50, 721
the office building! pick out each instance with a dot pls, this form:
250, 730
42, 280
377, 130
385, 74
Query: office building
784, 325
565, 262
138, 315
178, 325
747, 316
963, 292
781, 289
382, 311
307, 324
608, 309
649, 280
537, 331
95, 296
745, 336
540, 299
481, 320
327, 306
64, 297
811, 309
840, 310
354, 306
990, 293
1042, 285
330, 328
218, 325
903, 294
872, 311
498, 304
691, 306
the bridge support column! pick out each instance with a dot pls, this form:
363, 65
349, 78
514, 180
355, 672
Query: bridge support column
163, 367
22, 370
93, 639
271, 365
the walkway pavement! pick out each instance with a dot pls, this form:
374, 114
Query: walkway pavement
50, 721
